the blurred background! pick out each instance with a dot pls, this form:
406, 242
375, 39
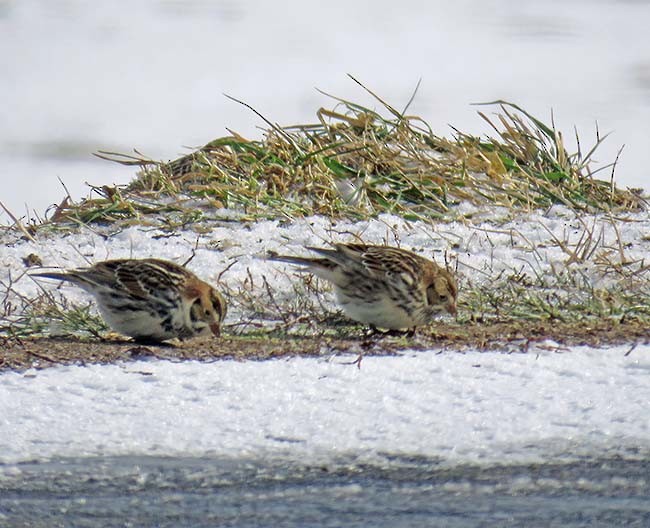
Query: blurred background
78, 76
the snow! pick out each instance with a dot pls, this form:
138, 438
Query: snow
459, 407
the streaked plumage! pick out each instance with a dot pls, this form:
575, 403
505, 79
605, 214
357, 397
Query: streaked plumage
149, 299
382, 286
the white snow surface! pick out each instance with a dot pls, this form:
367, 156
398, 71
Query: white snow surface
459, 407
468, 407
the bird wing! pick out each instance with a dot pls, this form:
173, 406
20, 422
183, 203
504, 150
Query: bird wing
118, 275
384, 262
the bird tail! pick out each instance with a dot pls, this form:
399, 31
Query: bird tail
58, 275
303, 261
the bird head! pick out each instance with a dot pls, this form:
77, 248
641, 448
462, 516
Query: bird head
442, 291
208, 311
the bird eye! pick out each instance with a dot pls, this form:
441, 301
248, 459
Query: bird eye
208, 312
434, 298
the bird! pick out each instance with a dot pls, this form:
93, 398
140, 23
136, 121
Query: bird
150, 300
382, 286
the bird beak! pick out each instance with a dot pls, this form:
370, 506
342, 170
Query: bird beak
216, 329
451, 308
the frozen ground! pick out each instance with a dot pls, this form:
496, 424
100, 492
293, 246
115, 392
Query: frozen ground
474, 406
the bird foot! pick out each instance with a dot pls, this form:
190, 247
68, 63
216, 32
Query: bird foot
375, 332
356, 362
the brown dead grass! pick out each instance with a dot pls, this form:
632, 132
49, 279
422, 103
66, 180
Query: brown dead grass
510, 337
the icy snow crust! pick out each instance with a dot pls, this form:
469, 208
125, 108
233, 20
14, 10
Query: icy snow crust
470, 407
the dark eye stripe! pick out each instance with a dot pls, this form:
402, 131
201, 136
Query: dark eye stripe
194, 311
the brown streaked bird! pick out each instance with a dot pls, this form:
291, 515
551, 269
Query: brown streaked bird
150, 300
382, 286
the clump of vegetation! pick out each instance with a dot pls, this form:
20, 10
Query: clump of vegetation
357, 162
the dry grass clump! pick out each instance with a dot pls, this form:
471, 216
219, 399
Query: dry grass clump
356, 162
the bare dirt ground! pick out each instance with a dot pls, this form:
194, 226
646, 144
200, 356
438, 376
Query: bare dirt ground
530, 337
